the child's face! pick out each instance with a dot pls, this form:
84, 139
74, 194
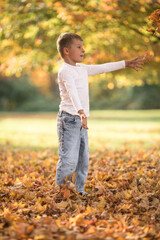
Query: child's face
76, 52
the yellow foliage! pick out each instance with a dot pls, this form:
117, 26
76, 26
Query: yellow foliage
123, 201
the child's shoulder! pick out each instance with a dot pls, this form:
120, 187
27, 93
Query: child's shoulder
67, 70
65, 67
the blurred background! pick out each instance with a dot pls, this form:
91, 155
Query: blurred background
112, 30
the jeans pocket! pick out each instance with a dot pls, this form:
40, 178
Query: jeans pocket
69, 119
69, 123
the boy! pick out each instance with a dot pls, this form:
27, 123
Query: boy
74, 108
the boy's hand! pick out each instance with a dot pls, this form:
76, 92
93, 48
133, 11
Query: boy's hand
135, 63
83, 119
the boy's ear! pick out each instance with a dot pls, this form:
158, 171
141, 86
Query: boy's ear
65, 50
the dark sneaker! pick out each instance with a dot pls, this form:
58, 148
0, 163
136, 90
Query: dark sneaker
83, 194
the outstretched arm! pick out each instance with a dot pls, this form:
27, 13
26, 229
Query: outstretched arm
136, 63
104, 68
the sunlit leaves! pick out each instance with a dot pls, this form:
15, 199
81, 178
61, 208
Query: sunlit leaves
123, 202
112, 30
155, 22
147, 56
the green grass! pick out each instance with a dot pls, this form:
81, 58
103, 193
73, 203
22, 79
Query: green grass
107, 129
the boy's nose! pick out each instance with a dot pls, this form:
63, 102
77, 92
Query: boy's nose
83, 50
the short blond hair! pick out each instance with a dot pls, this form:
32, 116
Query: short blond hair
65, 40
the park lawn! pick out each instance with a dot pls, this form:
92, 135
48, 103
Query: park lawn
108, 129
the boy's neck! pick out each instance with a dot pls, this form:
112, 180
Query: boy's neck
68, 61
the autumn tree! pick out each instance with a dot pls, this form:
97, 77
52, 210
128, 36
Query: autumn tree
112, 30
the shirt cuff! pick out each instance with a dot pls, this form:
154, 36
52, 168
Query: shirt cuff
124, 64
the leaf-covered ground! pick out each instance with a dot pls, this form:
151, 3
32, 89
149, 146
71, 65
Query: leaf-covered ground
123, 202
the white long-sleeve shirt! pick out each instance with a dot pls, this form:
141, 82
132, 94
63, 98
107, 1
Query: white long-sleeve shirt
73, 84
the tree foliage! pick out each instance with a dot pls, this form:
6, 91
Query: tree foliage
155, 21
111, 29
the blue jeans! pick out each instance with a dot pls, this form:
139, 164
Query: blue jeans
73, 150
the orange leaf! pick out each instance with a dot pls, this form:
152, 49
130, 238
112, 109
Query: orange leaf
92, 229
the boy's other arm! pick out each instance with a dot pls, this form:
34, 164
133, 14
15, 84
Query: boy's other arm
73, 95
83, 119
69, 84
